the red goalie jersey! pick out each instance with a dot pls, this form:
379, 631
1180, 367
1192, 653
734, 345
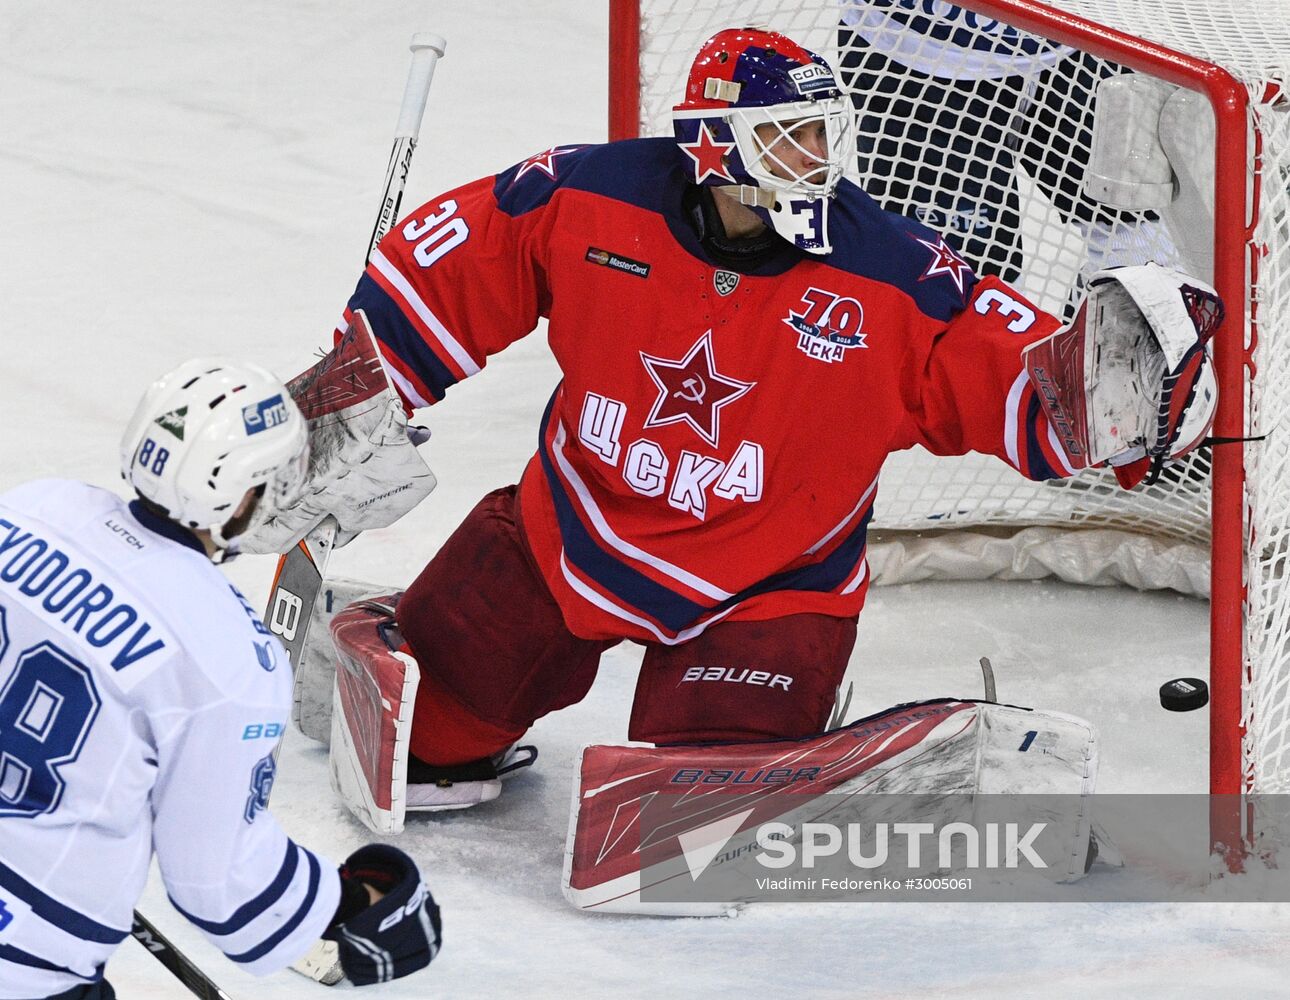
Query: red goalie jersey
713, 449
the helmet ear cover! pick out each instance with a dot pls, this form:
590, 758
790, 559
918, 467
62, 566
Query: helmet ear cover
750, 96
205, 434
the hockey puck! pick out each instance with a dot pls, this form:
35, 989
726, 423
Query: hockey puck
1184, 694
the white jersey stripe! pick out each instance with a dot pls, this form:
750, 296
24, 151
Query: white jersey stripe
1060, 451
423, 312
598, 521
1011, 422
864, 499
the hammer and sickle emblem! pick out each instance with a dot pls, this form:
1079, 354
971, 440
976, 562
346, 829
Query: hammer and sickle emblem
696, 389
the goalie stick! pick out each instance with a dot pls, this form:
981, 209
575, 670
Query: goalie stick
300, 572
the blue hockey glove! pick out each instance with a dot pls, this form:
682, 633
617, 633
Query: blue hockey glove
395, 936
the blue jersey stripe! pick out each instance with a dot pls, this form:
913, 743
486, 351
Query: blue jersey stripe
672, 610
165, 528
395, 331
283, 932
249, 911
9, 953
1038, 468
824, 576
63, 917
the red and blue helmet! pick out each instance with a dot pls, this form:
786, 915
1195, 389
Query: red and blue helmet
765, 115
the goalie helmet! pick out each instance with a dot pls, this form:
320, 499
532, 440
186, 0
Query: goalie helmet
766, 116
209, 431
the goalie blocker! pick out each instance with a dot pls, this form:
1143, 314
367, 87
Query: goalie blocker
364, 469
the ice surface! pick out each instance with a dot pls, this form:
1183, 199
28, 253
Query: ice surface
180, 179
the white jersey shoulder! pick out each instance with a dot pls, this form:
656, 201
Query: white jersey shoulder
140, 701
943, 40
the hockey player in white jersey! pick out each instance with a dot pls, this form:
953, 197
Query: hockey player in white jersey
141, 699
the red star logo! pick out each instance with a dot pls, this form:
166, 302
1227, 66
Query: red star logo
708, 155
544, 161
691, 391
945, 260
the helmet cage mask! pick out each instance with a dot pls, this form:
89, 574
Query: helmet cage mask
736, 126
762, 133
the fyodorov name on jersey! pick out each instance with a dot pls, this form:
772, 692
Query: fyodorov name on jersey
54, 587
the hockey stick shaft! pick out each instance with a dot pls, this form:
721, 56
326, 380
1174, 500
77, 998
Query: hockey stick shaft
304, 567
159, 946
427, 50
301, 571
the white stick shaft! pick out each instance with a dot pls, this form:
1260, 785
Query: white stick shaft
427, 50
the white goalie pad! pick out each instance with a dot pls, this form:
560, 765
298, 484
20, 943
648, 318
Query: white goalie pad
315, 674
1128, 168
936, 760
1188, 134
1153, 150
364, 470
1131, 376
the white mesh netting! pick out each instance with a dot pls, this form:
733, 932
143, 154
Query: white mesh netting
991, 149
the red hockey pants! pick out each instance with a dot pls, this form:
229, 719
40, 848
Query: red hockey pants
495, 656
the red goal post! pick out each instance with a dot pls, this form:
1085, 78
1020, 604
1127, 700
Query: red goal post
1228, 501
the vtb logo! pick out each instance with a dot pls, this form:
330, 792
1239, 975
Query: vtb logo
827, 325
265, 414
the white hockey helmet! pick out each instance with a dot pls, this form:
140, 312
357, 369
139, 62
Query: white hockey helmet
209, 431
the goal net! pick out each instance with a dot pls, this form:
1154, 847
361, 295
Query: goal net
980, 119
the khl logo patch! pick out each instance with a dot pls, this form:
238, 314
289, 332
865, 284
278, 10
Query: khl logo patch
725, 282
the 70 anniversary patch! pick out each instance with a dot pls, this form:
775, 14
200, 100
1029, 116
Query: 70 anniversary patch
827, 325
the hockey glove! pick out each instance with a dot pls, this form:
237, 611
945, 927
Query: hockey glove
1131, 382
364, 469
393, 937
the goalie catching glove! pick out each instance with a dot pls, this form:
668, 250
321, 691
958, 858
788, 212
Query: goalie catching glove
364, 469
1131, 381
